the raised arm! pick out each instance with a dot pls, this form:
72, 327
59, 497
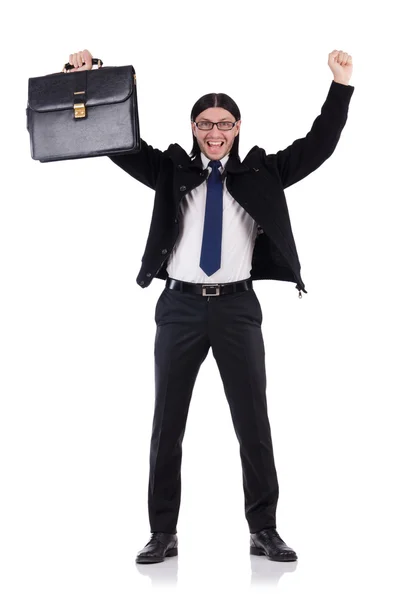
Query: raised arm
306, 154
143, 165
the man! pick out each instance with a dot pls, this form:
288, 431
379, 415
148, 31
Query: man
217, 225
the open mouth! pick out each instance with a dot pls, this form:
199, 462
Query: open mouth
215, 144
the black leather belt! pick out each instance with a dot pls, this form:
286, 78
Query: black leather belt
209, 289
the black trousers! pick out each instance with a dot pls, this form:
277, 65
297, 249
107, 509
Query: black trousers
187, 326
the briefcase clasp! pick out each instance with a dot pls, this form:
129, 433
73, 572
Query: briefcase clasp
79, 109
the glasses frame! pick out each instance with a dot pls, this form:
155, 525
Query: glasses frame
211, 128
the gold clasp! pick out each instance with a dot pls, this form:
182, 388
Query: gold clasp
79, 109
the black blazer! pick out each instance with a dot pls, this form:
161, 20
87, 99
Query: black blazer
257, 184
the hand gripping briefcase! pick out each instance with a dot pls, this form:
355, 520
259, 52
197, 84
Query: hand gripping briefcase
83, 114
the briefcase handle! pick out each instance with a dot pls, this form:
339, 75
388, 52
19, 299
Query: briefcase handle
95, 61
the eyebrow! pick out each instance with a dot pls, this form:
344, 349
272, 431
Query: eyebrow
224, 119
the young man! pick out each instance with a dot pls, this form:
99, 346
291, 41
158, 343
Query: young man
218, 224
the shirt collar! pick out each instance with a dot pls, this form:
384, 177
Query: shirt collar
205, 160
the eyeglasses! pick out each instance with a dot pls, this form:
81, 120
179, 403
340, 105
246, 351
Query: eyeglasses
208, 125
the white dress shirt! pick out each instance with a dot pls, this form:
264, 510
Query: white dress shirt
239, 232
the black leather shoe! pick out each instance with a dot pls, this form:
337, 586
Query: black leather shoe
158, 547
268, 542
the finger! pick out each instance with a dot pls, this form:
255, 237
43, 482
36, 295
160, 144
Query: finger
80, 59
87, 58
70, 59
75, 64
345, 58
333, 55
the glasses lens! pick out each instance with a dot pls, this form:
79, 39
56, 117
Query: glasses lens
205, 125
225, 125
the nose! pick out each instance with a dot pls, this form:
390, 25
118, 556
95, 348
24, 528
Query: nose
215, 133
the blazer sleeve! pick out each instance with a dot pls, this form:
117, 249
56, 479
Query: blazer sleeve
306, 154
143, 165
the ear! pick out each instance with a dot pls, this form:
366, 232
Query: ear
238, 125
193, 128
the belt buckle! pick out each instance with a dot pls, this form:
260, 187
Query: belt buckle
204, 290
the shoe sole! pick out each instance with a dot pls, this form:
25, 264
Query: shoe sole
152, 559
259, 552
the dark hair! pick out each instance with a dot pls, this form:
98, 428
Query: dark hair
210, 101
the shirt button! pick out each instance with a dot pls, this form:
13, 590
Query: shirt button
180, 166
164, 251
141, 283
176, 221
148, 274
182, 188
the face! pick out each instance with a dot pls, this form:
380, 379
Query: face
222, 140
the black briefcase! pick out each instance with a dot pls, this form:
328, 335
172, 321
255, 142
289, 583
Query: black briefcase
83, 114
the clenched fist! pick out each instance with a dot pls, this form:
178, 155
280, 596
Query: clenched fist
341, 65
78, 58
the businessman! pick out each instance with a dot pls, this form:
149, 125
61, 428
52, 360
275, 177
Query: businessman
219, 223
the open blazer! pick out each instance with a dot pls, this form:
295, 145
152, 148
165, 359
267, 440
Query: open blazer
257, 184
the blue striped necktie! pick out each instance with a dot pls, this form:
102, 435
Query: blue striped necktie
210, 260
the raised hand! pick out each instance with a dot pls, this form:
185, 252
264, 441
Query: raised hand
341, 65
78, 58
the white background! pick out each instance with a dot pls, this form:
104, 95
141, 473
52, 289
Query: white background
77, 332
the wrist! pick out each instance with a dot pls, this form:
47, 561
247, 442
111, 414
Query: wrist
343, 82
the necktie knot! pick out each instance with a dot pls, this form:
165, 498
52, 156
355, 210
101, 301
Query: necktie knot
215, 164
